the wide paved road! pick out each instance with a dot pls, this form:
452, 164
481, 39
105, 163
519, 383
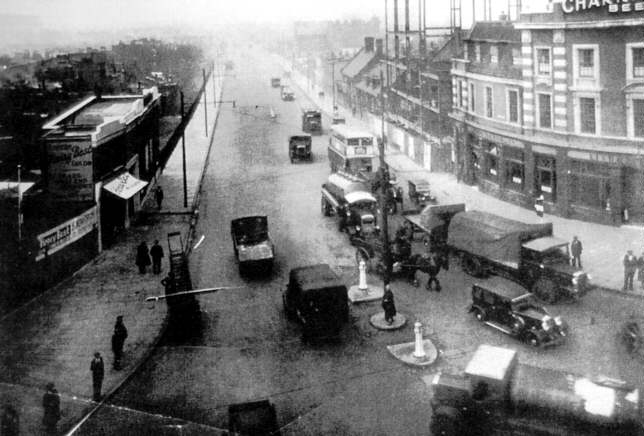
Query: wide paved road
248, 350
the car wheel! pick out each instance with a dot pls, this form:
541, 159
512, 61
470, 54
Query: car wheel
480, 314
533, 340
546, 290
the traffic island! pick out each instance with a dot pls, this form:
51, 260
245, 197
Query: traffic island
378, 321
363, 293
421, 352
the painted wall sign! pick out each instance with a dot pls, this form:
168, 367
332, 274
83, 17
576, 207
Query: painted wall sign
70, 231
571, 6
70, 170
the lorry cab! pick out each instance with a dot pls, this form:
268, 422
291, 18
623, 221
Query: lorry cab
312, 121
299, 147
551, 255
317, 299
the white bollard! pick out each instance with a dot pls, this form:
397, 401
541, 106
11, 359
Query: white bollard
419, 349
362, 282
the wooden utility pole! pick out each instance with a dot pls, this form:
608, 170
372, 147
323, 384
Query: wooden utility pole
205, 101
183, 152
384, 186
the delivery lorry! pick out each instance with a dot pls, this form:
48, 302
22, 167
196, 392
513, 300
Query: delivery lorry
487, 244
497, 395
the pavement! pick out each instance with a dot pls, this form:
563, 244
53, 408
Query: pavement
604, 246
53, 337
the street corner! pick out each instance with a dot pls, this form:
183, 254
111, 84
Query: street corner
419, 354
378, 321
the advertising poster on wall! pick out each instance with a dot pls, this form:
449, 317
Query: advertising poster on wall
64, 234
70, 170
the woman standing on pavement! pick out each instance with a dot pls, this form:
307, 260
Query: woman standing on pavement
142, 257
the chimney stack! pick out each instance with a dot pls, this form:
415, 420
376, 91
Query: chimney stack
368, 44
379, 51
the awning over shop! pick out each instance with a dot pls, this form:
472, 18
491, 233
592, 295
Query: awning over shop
125, 185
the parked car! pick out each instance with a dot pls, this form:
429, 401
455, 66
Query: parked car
252, 243
299, 147
420, 194
317, 299
508, 307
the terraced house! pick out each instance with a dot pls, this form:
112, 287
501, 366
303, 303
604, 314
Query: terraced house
553, 105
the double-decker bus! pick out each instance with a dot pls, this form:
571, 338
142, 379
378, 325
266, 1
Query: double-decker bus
351, 150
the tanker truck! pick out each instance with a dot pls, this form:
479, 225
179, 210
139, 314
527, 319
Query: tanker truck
497, 395
491, 244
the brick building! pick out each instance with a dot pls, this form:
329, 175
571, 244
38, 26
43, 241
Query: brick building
553, 105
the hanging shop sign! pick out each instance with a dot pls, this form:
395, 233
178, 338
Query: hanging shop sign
70, 231
613, 6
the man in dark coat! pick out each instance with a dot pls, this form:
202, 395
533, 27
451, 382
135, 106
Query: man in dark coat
388, 305
118, 340
575, 251
142, 257
630, 266
158, 195
157, 254
98, 372
51, 407
433, 268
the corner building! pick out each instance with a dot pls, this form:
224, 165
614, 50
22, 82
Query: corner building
553, 105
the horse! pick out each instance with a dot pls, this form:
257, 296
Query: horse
430, 264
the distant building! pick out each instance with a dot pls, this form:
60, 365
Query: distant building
366, 59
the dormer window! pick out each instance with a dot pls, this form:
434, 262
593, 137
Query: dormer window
494, 54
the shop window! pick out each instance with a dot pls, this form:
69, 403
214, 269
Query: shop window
545, 111
514, 168
638, 117
544, 64
491, 153
545, 182
489, 104
513, 106
590, 184
587, 121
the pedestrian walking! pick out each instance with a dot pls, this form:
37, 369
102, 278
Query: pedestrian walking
10, 421
157, 254
433, 268
98, 372
51, 409
575, 250
640, 270
538, 205
118, 340
388, 305
158, 195
142, 257
630, 266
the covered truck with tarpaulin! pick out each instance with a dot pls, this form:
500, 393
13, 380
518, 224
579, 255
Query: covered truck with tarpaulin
524, 252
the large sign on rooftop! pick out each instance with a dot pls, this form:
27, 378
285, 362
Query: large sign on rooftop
613, 6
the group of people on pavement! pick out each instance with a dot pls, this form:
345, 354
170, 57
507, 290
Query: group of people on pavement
632, 265
143, 256
51, 399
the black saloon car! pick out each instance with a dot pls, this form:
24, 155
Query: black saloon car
508, 307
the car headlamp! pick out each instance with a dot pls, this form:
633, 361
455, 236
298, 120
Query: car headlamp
546, 323
357, 228
558, 321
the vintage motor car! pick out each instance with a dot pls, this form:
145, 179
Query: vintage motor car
276, 82
253, 246
287, 94
420, 194
508, 307
317, 299
299, 147
253, 418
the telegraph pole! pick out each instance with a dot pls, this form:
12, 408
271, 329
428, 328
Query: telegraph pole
183, 152
19, 206
384, 186
205, 101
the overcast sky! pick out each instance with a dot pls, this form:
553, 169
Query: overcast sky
104, 14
